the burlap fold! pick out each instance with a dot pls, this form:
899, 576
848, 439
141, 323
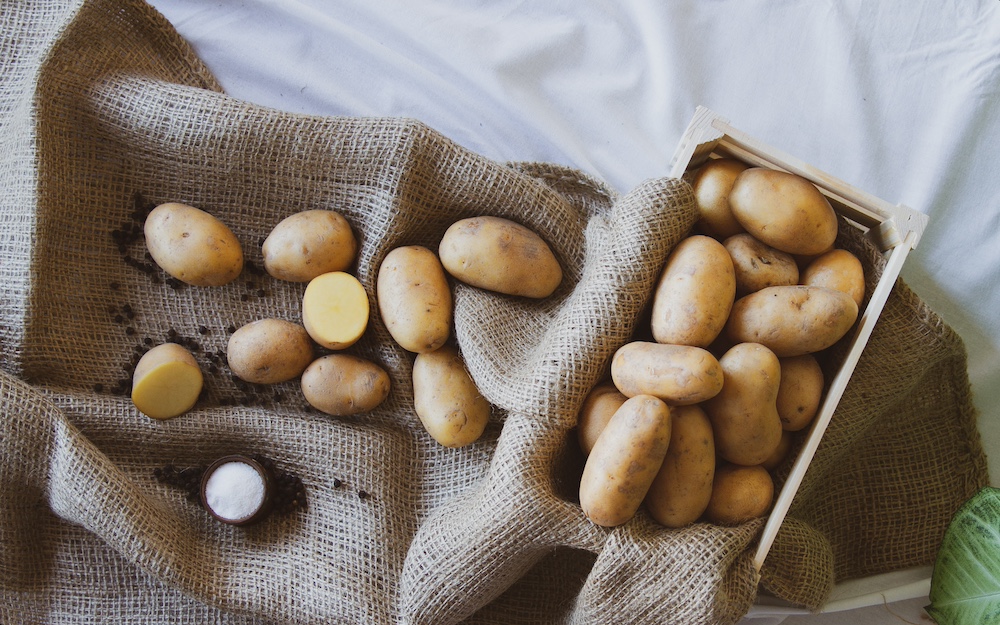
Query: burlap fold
106, 111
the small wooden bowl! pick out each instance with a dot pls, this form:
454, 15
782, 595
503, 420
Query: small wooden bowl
265, 507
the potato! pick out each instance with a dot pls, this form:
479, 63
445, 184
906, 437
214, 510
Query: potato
792, 320
166, 382
677, 374
269, 351
625, 460
598, 408
712, 183
758, 266
414, 298
800, 391
500, 255
781, 452
308, 244
840, 270
784, 211
342, 384
744, 414
446, 399
739, 494
192, 246
682, 488
335, 310
694, 294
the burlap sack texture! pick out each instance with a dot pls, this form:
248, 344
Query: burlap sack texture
105, 107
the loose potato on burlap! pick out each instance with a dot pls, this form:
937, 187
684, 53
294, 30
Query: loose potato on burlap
335, 310
308, 244
500, 255
192, 245
414, 298
166, 382
269, 351
600, 405
446, 398
343, 385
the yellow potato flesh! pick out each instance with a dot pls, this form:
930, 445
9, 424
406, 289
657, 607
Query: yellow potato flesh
335, 310
167, 382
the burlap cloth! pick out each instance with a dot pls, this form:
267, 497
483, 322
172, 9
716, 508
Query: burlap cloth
104, 107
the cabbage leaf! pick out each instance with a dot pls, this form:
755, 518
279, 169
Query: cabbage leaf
965, 583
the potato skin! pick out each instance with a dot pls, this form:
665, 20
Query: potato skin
192, 245
694, 294
625, 460
739, 494
682, 488
414, 298
308, 244
758, 265
500, 255
343, 384
269, 351
837, 269
784, 211
744, 414
446, 398
800, 391
712, 183
792, 320
598, 408
677, 374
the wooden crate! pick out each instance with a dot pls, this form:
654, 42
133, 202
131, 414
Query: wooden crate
895, 230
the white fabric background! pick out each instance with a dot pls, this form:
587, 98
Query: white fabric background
900, 98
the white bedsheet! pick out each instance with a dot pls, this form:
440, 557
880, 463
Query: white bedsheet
900, 98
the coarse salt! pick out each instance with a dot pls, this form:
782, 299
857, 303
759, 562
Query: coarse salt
235, 491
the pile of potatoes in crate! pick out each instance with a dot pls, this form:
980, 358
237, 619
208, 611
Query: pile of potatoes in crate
692, 422
318, 247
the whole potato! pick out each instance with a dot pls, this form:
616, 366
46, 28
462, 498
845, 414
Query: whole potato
744, 413
677, 374
343, 384
800, 391
500, 255
192, 245
446, 398
694, 294
712, 183
784, 211
414, 298
739, 494
780, 454
308, 244
598, 408
166, 381
269, 351
625, 460
758, 265
792, 320
682, 488
840, 270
